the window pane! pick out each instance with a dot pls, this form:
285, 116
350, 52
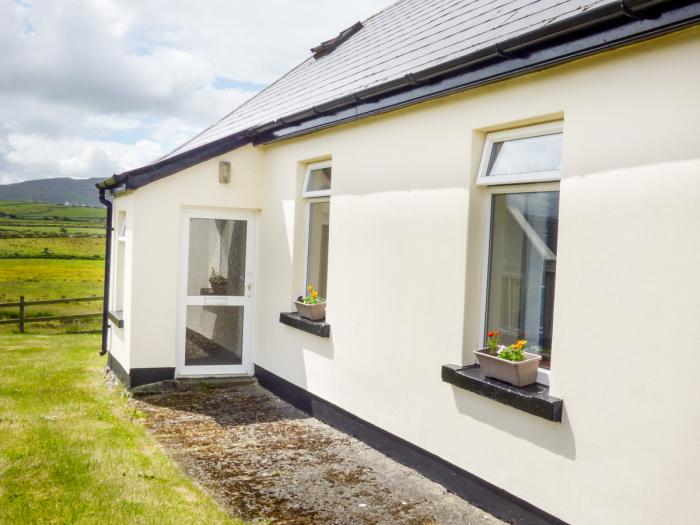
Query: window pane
522, 267
527, 155
216, 260
319, 179
317, 269
214, 335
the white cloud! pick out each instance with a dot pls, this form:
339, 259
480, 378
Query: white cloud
112, 121
90, 87
36, 156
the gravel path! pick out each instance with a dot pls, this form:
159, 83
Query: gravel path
263, 459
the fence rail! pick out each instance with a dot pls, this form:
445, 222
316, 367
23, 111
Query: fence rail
23, 319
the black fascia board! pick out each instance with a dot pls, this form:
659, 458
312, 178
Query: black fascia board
139, 177
596, 30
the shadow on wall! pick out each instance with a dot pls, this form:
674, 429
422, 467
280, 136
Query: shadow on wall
324, 347
293, 367
558, 438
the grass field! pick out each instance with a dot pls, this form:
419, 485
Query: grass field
38, 279
42, 230
72, 450
49, 212
33, 237
92, 248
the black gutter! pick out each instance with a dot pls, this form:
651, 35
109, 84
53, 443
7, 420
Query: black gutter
108, 260
600, 29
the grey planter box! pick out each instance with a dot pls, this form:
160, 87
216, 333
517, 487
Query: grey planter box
521, 373
315, 312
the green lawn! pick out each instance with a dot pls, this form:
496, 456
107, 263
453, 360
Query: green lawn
73, 451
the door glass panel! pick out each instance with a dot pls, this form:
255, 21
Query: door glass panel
217, 254
214, 335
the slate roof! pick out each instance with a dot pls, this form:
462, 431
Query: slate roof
406, 37
415, 50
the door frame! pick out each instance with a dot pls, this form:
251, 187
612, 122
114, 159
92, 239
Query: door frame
247, 300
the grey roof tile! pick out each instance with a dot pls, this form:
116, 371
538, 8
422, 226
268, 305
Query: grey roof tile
406, 37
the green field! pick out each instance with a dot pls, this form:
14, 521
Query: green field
72, 449
50, 212
42, 230
45, 254
85, 248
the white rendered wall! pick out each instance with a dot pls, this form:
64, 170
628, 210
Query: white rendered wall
157, 244
405, 274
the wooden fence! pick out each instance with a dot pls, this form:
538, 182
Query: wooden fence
22, 304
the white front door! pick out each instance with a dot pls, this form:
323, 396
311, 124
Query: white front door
216, 293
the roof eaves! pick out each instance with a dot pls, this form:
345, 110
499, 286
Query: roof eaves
139, 177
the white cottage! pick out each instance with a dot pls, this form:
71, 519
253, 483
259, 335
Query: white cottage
438, 171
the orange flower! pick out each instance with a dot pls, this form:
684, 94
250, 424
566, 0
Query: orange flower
491, 334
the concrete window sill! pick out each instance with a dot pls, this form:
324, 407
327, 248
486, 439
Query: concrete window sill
533, 399
320, 328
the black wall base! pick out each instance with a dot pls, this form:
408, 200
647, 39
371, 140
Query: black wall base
465, 485
138, 376
118, 370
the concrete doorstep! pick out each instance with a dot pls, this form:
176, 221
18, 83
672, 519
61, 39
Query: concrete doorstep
191, 383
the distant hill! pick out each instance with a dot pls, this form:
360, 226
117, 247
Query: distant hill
54, 191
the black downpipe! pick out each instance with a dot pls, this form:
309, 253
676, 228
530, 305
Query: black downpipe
108, 264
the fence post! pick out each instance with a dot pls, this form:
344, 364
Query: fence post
21, 314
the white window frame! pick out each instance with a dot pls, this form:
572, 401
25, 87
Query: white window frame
120, 251
317, 193
537, 130
313, 197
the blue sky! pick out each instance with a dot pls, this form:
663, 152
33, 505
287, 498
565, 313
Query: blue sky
93, 87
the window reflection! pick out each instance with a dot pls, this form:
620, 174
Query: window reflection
317, 270
319, 179
522, 268
217, 257
526, 155
214, 335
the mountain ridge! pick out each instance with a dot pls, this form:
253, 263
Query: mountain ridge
59, 190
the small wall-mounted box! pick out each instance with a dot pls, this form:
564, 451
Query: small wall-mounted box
224, 172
